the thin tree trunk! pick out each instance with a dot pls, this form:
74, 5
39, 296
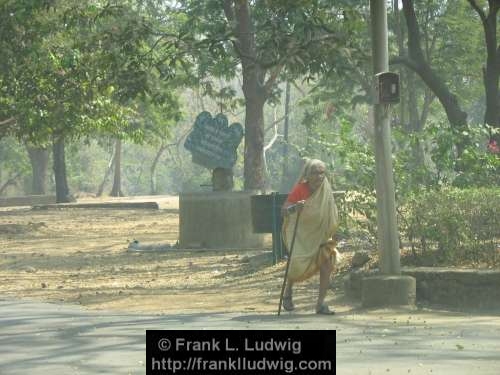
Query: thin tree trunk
62, 189
116, 190
39, 158
153, 189
255, 97
111, 163
284, 176
10, 182
413, 124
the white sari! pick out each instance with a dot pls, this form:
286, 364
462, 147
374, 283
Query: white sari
317, 224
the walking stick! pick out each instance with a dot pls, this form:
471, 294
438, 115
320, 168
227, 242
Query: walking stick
288, 260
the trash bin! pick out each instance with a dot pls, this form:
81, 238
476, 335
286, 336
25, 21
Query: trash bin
266, 218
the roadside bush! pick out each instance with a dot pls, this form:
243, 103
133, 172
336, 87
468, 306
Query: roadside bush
454, 226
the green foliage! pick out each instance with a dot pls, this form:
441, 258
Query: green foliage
303, 37
453, 41
478, 166
74, 69
422, 161
429, 160
454, 225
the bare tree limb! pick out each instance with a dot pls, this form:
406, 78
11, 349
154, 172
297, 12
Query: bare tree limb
299, 89
9, 182
405, 60
111, 162
8, 122
274, 124
271, 142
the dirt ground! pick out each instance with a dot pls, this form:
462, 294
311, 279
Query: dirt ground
82, 256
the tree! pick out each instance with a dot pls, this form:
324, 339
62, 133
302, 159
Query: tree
72, 72
417, 62
261, 40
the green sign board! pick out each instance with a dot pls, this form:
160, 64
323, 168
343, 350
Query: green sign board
212, 142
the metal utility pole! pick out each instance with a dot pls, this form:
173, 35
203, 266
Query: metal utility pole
388, 240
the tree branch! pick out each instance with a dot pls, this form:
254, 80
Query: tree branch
479, 11
428, 99
271, 142
299, 89
274, 124
8, 122
404, 60
9, 182
414, 46
456, 116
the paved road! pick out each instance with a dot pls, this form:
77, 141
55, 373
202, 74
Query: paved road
42, 338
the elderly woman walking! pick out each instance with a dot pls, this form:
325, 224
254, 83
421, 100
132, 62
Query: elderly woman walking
314, 248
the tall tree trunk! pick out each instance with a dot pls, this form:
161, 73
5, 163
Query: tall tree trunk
256, 90
254, 142
39, 158
116, 190
62, 189
255, 97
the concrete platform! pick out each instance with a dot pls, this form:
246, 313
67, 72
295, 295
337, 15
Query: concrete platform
442, 287
388, 290
27, 200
